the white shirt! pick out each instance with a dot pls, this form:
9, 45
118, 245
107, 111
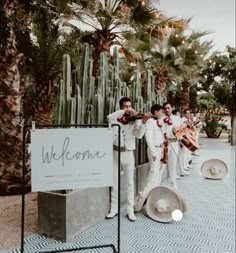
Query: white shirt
154, 135
128, 131
175, 120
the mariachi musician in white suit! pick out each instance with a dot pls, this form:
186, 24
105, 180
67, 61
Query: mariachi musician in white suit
185, 153
197, 125
154, 135
171, 121
129, 130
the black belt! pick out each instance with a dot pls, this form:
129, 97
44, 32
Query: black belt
159, 146
172, 139
121, 149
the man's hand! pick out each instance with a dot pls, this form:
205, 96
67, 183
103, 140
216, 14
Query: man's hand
154, 158
146, 117
131, 112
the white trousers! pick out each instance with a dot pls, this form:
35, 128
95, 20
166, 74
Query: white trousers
180, 160
155, 170
197, 135
173, 150
127, 165
197, 139
184, 156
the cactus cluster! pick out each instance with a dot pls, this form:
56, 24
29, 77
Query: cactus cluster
82, 101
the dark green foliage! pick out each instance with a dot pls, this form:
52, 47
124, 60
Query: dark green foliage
207, 102
222, 93
224, 68
143, 15
18, 22
212, 126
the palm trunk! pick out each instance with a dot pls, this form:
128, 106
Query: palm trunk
233, 130
103, 45
11, 118
43, 117
233, 116
43, 102
161, 80
185, 95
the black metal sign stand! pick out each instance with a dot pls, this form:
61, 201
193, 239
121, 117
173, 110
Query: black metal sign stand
23, 188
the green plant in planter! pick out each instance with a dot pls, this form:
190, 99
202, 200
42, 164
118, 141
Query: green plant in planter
213, 127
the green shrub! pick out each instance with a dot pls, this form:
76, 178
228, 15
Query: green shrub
212, 126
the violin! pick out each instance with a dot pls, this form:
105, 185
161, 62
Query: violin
130, 118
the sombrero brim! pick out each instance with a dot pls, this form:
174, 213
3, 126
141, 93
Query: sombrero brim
207, 165
167, 194
184, 205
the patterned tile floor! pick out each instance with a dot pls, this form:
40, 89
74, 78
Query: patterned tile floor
207, 227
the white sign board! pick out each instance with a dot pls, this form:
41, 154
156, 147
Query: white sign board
71, 158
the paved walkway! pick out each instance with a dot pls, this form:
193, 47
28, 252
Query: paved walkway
207, 227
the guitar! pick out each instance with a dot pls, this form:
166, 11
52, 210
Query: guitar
186, 133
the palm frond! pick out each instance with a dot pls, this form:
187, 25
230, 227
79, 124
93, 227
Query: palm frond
195, 35
143, 16
131, 55
112, 5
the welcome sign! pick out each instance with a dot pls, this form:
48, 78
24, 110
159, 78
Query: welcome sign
71, 158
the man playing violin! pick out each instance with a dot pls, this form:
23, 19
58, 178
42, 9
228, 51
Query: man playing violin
171, 121
129, 130
154, 136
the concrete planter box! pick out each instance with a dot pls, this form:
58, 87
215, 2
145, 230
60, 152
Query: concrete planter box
62, 216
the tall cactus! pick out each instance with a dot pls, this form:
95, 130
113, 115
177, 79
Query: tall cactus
68, 86
99, 109
79, 102
84, 80
78, 98
60, 111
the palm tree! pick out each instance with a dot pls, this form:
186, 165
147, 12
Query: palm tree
15, 58
14, 35
46, 63
108, 20
175, 57
190, 62
157, 49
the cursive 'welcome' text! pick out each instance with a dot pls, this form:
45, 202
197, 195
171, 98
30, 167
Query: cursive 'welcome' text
66, 155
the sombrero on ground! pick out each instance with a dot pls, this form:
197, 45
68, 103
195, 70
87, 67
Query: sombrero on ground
161, 202
184, 206
214, 169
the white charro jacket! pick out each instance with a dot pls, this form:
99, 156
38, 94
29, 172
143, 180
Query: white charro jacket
154, 135
175, 122
128, 131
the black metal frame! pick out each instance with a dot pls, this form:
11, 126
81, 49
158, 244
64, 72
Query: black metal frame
23, 188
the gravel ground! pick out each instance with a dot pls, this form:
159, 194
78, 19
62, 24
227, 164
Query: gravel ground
10, 219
